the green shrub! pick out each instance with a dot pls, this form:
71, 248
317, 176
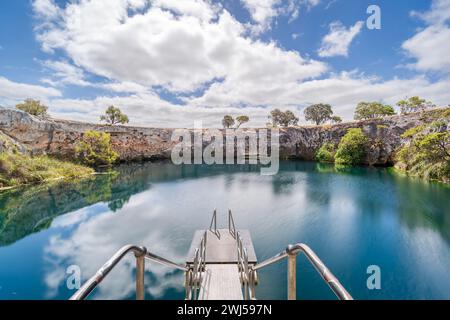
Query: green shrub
326, 152
33, 107
351, 149
426, 155
413, 131
17, 169
94, 149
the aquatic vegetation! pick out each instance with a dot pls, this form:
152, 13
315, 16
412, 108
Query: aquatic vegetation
17, 169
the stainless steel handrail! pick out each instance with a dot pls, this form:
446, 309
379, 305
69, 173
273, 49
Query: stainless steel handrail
214, 222
141, 254
244, 270
195, 274
291, 253
231, 225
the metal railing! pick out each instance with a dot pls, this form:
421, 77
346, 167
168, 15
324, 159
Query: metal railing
231, 225
194, 274
291, 253
214, 223
246, 275
141, 254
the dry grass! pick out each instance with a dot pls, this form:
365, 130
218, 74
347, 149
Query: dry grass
17, 169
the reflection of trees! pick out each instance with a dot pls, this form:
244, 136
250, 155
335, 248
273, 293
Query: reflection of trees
411, 206
419, 204
29, 210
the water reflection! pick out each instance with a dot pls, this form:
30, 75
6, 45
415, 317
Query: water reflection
352, 217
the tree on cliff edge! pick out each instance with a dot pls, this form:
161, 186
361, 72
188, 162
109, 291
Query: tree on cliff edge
241, 120
372, 110
114, 116
228, 121
414, 104
284, 119
33, 107
318, 113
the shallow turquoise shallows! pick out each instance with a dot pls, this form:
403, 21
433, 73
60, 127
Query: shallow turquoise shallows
352, 218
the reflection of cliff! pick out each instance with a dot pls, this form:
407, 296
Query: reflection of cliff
396, 193
29, 210
435, 216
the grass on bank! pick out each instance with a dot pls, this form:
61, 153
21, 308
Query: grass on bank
18, 169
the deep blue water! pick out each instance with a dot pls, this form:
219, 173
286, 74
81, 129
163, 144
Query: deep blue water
352, 218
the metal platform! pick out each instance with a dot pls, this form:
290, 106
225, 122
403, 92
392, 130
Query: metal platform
221, 249
221, 265
221, 282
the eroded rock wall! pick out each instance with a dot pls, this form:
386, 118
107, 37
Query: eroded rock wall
58, 137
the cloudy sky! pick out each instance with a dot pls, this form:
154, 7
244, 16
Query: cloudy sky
170, 62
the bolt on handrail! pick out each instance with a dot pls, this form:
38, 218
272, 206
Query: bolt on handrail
141, 254
291, 253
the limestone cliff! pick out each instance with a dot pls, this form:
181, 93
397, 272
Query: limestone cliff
58, 137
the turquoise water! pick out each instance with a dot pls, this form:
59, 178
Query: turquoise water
352, 218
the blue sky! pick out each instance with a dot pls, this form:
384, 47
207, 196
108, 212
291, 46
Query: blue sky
171, 62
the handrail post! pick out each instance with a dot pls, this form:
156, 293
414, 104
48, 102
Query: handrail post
292, 275
140, 273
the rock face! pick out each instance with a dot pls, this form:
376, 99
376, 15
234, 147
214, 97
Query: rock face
58, 137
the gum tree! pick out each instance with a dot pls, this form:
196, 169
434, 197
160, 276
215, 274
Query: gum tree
33, 107
114, 116
284, 119
241, 120
414, 104
228, 121
318, 113
372, 110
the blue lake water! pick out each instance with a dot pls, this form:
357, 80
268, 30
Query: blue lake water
352, 218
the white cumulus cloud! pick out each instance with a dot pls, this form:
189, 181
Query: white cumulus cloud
12, 92
338, 40
430, 46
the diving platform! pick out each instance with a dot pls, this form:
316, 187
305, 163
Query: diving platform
219, 259
221, 264
221, 247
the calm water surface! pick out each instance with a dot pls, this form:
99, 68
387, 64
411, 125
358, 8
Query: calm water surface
352, 218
